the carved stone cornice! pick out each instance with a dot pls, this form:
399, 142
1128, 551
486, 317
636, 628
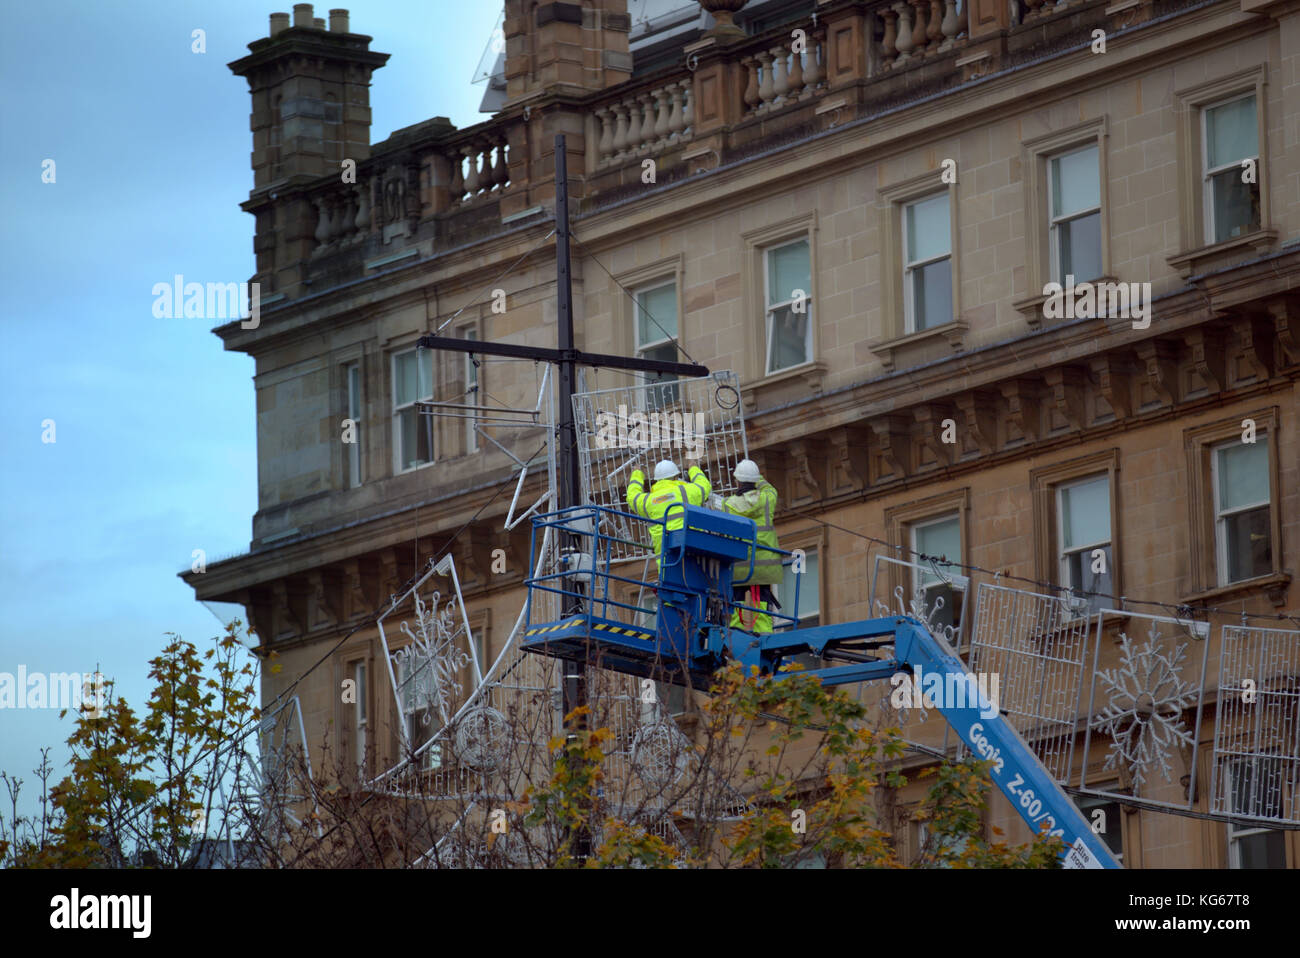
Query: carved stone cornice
1113, 372
893, 434
930, 418
1067, 384
850, 460
1023, 409
807, 459
1160, 357
1206, 347
979, 411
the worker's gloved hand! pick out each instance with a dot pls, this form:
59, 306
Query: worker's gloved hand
715, 501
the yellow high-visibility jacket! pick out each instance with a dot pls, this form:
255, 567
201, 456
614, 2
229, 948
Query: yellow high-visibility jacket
758, 504
667, 498
751, 621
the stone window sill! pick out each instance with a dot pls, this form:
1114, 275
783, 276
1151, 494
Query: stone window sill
810, 373
1274, 585
1197, 260
954, 333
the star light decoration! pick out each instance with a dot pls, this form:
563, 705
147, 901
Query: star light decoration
1146, 696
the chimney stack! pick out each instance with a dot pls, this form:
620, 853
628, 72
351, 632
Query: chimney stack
310, 93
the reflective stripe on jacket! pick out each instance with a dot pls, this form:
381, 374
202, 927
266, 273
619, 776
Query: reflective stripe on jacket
751, 620
666, 498
758, 504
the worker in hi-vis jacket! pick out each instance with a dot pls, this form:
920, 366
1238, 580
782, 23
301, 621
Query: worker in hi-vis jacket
756, 499
667, 497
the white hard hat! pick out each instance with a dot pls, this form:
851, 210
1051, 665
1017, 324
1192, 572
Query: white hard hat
747, 471
666, 469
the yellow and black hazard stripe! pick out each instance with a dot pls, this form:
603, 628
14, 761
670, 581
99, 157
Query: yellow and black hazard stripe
617, 630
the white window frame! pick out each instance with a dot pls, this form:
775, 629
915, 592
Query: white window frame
957, 581
1221, 515
472, 391
398, 457
810, 556
1062, 553
771, 307
361, 719
355, 412
909, 306
639, 348
432, 757
1056, 222
1207, 174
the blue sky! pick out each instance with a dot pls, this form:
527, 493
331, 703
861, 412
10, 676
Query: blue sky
154, 451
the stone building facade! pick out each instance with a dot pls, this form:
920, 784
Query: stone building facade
923, 174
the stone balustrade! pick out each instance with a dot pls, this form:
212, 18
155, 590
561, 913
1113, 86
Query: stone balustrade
779, 76
645, 122
915, 29
479, 169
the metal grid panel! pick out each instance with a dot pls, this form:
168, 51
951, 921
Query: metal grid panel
1037, 649
626, 427
1256, 771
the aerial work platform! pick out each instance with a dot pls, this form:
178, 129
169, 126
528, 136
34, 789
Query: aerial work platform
692, 636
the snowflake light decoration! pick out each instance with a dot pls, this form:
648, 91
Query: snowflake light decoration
431, 658
1146, 697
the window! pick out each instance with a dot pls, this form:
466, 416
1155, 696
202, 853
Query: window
352, 450
1075, 214
1242, 510
1220, 124
655, 332
471, 392
419, 711
789, 306
941, 537
361, 722
1075, 543
1066, 199
1083, 538
1234, 506
1104, 814
927, 264
1256, 785
1230, 143
809, 585
412, 430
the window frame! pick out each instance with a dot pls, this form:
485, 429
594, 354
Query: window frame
1196, 252
1048, 537
1041, 264
755, 305
957, 580
473, 388
359, 673
770, 308
1199, 442
910, 267
1207, 175
354, 398
1062, 552
1055, 222
398, 468
639, 348
1220, 527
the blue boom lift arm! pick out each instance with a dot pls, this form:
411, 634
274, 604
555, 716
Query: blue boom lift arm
692, 637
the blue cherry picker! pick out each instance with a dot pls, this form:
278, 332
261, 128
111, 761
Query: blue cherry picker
691, 638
